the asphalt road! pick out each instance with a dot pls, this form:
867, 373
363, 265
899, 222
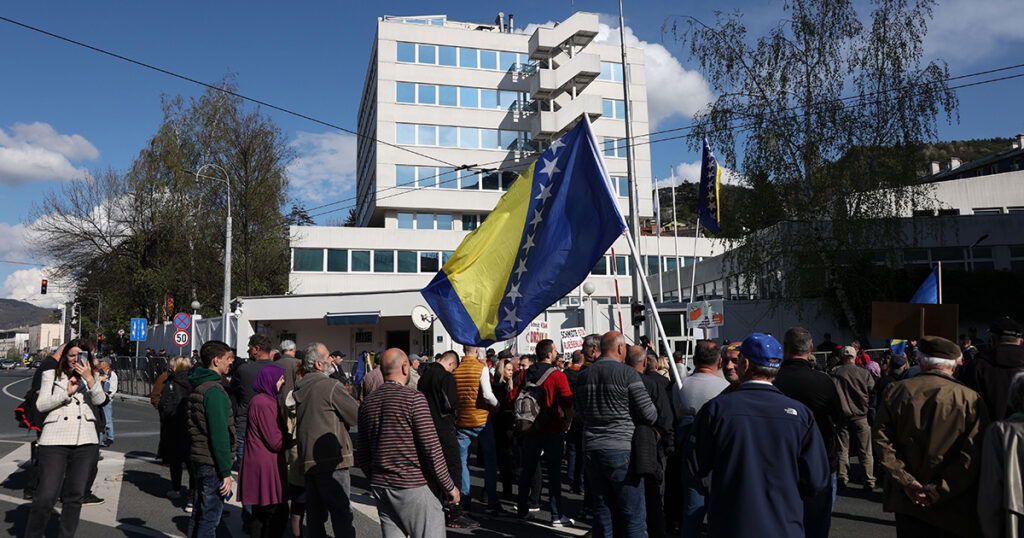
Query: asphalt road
135, 488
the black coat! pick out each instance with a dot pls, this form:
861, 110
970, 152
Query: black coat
993, 372
173, 409
798, 380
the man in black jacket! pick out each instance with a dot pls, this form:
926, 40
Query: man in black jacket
438, 385
657, 388
996, 367
798, 379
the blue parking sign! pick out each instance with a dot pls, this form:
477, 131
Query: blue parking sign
138, 330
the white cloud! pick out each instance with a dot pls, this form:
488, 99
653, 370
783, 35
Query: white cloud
671, 89
965, 31
37, 152
325, 166
13, 241
23, 285
690, 173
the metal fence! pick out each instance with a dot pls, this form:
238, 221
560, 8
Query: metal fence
135, 375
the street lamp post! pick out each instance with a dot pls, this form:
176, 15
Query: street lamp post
226, 307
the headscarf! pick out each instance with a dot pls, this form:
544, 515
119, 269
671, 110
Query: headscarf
266, 380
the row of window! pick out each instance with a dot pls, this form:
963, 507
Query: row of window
448, 136
614, 147
450, 178
424, 221
614, 109
460, 57
457, 96
622, 265
368, 261
610, 71
976, 211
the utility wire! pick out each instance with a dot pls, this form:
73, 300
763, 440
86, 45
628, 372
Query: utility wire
218, 89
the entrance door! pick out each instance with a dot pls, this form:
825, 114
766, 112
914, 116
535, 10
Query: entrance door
399, 339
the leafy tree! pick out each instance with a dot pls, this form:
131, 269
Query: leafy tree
130, 240
791, 104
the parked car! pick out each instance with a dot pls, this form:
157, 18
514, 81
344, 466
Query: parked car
7, 364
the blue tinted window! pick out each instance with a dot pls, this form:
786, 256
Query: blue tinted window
407, 261
308, 259
617, 72
426, 135
447, 178
337, 261
470, 222
508, 60
445, 256
405, 221
383, 261
624, 186
469, 137
406, 133
446, 56
470, 180
428, 54
488, 99
601, 267
424, 221
447, 95
405, 175
609, 147
444, 222
488, 59
360, 260
506, 98
467, 58
489, 139
407, 52
620, 109
524, 58
446, 136
469, 97
428, 94
426, 177
608, 109
428, 262
406, 92
508, 139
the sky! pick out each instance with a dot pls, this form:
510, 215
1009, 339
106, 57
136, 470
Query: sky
68, 111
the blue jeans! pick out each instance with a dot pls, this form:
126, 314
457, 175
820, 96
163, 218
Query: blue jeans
108, 414
618, 495
207, 504
694, 507
818, 511
551, 445
574, 460
485, 436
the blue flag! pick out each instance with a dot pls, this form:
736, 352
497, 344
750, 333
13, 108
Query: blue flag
927, 293
708, 208
542, 239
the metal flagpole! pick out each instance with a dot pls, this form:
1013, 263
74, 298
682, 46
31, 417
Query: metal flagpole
634, 215
938, 282
693, 268
657, 220
675, 240
676, 375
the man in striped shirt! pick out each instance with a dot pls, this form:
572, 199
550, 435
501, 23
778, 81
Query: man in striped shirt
399, 452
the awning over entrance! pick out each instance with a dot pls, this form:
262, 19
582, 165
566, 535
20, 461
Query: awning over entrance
352, 318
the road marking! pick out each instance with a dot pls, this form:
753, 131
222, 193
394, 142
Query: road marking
109, 477
9, 385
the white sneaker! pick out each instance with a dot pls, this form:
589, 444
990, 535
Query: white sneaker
188, 508
562, 522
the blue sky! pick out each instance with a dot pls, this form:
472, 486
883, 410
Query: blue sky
67, 110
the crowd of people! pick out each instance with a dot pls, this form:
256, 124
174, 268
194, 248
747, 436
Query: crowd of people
756, 441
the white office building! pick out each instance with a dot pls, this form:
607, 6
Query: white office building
450, 113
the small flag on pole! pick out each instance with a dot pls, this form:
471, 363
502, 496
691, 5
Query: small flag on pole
927, 293
708, 207
542, 239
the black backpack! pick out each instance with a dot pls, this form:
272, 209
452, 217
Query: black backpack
27, 415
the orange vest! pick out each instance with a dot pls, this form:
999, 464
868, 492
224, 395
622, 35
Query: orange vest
473, 409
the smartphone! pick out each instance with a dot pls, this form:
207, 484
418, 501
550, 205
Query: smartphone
83, 358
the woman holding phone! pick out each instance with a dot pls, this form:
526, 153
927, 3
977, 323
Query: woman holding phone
69, 444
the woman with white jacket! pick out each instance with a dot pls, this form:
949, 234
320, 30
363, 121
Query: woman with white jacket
68, 447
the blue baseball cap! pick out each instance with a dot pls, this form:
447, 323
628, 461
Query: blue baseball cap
762, 349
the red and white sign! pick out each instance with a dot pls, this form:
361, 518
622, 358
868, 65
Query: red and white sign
181, 338
537, 331
572, 339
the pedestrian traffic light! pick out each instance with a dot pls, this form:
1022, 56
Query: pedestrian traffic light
43, 288
638, 314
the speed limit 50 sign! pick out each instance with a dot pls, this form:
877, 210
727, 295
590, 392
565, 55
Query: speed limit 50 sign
181, 338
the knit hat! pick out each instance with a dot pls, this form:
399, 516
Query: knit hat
939, 348
762, 349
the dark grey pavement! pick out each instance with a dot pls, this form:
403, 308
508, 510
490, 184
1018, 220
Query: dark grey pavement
135, 488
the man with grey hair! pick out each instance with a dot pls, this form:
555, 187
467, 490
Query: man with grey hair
290, 364
927, 434
591, 349
324, 413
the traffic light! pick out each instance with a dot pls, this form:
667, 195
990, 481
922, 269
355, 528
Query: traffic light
43, 287
638, 314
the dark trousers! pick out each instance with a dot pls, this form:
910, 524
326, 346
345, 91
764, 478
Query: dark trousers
574, 460
329, 494
655, 514
207, 504
618, 495
912, 527
176, 468
268, 521
61, 469
551, 445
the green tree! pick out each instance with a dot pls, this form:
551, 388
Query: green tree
791, 106
130, 240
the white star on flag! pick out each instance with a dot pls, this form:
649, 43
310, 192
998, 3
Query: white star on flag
522, 267
513, 292
510, 316
545, 192
549, 168
556, 145
528, 244
536, 217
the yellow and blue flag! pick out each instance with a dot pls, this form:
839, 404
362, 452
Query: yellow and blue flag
708, 208
927, 293
542, 239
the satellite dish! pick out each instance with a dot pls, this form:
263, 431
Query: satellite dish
422, 317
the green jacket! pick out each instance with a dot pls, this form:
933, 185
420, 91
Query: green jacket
211, 422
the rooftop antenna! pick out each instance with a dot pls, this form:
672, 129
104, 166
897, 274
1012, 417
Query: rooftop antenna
499, 21
511, 23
